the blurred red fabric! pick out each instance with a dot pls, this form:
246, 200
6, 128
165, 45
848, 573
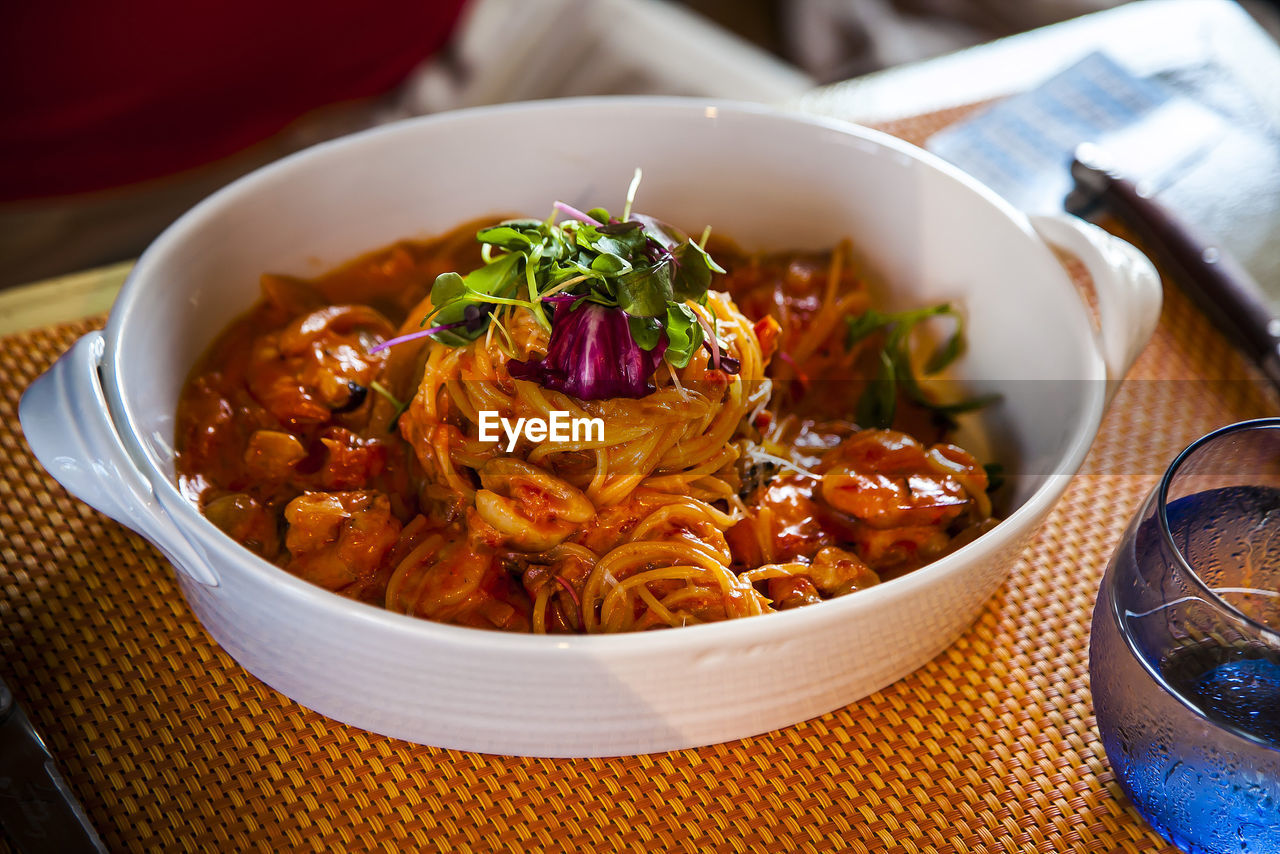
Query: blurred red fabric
100, 94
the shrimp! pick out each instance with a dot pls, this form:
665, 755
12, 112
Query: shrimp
896, 500
450, 578
884, 479
337, 538
836, 572
528, 508
247, 520
832, 572
318, 365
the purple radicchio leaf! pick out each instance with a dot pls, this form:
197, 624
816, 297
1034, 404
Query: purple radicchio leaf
592, 356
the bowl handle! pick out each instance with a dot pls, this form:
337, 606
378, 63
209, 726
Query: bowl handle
68, 425
1126, 283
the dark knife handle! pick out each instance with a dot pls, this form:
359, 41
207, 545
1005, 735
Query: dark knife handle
38, 811
1202, 267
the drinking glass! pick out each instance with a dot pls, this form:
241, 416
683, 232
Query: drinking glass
1185, 649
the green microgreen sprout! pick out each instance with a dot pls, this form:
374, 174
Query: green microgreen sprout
635, 263
878, 404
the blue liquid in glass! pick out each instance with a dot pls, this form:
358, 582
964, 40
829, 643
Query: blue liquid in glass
1243, 692
1202, 767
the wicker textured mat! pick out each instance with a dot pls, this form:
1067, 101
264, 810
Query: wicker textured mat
989, 747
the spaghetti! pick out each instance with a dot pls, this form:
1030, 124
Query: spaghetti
732, 481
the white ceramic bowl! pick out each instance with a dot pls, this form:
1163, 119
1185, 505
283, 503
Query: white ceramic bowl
101, 420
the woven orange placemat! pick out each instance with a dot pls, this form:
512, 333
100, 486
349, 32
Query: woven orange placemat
989, 747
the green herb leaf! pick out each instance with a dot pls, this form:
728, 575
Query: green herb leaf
645, 331
645, 291
862, 326
902, 321
995, 476
625, 227
878, 404
399, 405
969, 404
665, 235
684, 334
610, 264
693, 271
447, 288
451, 294
495, 279
528, 225
949, 351
607, 245
506, 237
